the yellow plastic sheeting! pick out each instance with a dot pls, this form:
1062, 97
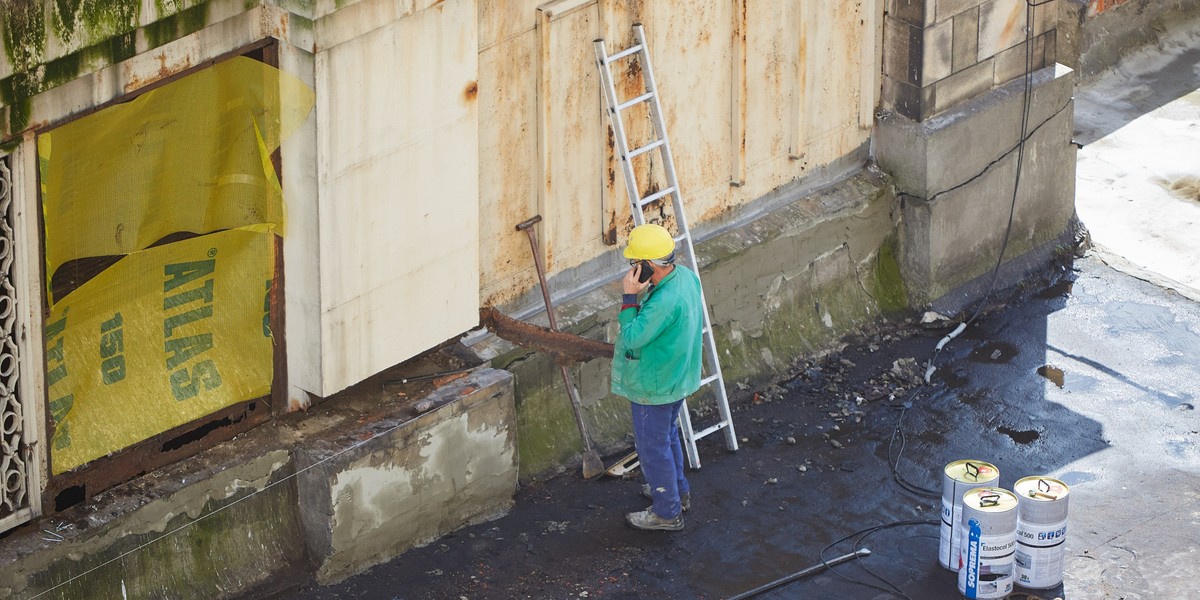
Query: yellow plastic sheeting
191, 156
163, 337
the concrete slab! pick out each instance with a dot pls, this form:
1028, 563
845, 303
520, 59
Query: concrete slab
1138, 187
1090, 378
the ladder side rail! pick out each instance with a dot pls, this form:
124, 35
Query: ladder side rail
681, 221
618, 125
689, 437
714, 364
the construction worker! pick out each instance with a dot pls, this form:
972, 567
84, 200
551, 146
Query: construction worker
656, 365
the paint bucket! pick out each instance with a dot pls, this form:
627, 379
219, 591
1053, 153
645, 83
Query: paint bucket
958, 477
989, 522
1041, 531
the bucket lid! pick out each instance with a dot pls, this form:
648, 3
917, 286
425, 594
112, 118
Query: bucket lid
1045, 489
990, 499
972, 471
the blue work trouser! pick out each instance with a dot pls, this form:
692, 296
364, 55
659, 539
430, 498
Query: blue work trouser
656, 439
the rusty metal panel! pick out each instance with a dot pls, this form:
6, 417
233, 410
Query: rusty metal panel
831, 79
507, 165
771, 27
399, 190
502, 20
569, 136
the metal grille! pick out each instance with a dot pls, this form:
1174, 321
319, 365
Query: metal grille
14, 453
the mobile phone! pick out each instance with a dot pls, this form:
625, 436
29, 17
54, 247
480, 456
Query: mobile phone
646, 273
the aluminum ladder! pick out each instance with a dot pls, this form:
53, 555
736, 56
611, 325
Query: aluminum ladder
638, 203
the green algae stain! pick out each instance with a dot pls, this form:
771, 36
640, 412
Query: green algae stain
109, 16
24, 33
888, 284
65, 20
16, 93
174, 26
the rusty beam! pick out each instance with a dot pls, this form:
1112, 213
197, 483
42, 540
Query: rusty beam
564, 347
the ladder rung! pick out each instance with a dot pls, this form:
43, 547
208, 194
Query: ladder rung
647, 148
713, 429
679, 238
655, 196
628, 103
709, 379
626, 52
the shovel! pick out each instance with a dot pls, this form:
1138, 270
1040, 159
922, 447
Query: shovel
592, 465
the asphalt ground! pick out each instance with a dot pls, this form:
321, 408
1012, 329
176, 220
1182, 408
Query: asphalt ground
1090, 376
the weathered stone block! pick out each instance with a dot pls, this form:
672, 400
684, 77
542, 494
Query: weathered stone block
1011, 63
947, 9
902, 51
902, 97
966, 39
915, 12
1002, 24
936, 52
413, 480
962, 86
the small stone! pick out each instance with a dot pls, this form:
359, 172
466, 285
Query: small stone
996, 354
835, 444
583, 594
791, 440
773, 480
745, 440
745, 502
802, 468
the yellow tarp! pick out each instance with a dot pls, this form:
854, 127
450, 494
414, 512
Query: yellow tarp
191, 156
163, 337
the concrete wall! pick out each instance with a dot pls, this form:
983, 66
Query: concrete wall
349, 487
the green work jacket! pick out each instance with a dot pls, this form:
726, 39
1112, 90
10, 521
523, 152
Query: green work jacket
659, 350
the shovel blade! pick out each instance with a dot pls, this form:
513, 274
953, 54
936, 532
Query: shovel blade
592, 465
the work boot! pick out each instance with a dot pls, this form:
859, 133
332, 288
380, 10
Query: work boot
685, 500
649, 521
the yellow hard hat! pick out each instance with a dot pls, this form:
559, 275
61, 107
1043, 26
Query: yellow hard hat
649, 242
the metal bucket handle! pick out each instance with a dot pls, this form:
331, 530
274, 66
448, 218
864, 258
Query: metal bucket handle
989, 499
1042, 491
972, 470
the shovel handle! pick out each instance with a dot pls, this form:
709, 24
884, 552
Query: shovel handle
530, 222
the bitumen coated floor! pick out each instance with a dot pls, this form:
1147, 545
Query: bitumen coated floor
1090, 377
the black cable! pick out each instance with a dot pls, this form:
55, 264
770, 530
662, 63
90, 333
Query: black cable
1026, 101
861, 536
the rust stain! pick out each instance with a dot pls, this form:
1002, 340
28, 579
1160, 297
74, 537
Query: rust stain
471, 92
1011, 24
134, 82
610, 233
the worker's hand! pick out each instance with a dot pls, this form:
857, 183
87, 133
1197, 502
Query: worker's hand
631, 284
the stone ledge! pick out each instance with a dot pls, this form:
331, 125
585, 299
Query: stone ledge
248, 513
